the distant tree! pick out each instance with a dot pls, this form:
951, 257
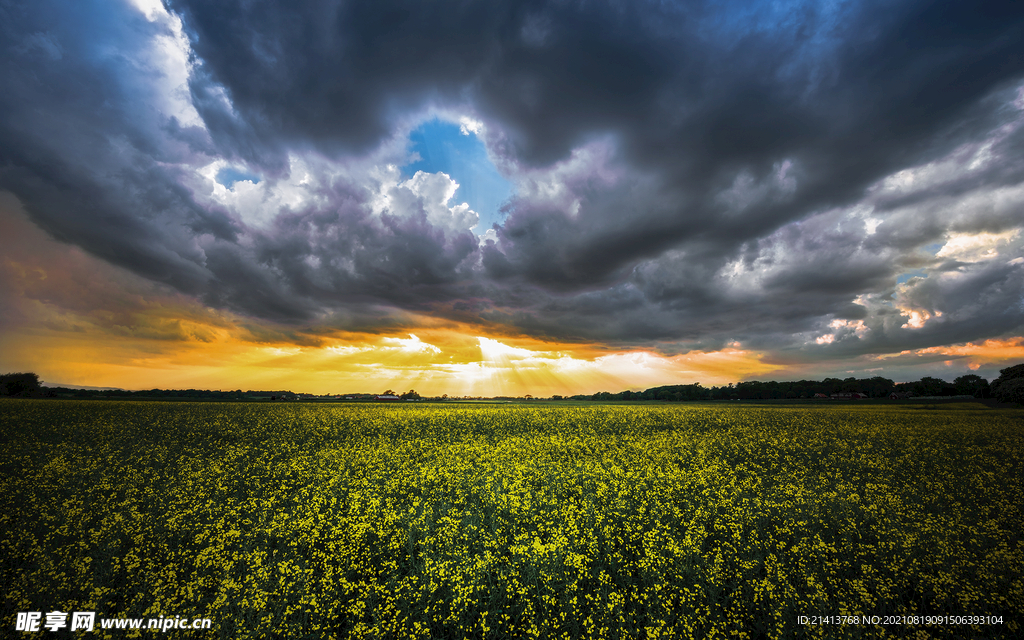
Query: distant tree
1009, 386
1011, 391
408, 395
389, 392
19, 385
830, 385
877, 387
972, 385
929, 386
677, 392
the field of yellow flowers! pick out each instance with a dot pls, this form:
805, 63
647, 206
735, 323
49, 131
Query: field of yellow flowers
508, 521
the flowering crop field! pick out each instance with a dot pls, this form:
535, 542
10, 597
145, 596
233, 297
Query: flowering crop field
517, 520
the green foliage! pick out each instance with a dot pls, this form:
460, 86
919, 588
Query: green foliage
972, 385
1011, 373
512, 521
928, 386
1011, 390
1008, 386
20, 385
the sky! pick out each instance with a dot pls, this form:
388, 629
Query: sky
508, 198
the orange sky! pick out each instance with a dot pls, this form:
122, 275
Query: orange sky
74, 319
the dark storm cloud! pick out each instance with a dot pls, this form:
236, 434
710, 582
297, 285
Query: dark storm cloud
688, 174
883, 90
82, 155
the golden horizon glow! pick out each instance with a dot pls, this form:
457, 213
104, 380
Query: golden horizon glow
433, 362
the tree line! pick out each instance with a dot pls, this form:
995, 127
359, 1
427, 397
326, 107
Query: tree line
27, 385
1008, 387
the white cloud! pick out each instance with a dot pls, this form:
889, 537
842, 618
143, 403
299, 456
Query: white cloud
976, 247
347, 350
494, 350
842, 329
169, 60
258, 204
490, 235
285, 352
469, 126
152, 9
426, 192
918, 318
412, 344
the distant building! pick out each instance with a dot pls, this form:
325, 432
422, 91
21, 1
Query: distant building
848, 395
387, 398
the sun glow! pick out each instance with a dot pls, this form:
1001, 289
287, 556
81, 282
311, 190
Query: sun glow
433, 361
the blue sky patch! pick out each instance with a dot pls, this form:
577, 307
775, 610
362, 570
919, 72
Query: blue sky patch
228, 176
916, 273
442, 146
